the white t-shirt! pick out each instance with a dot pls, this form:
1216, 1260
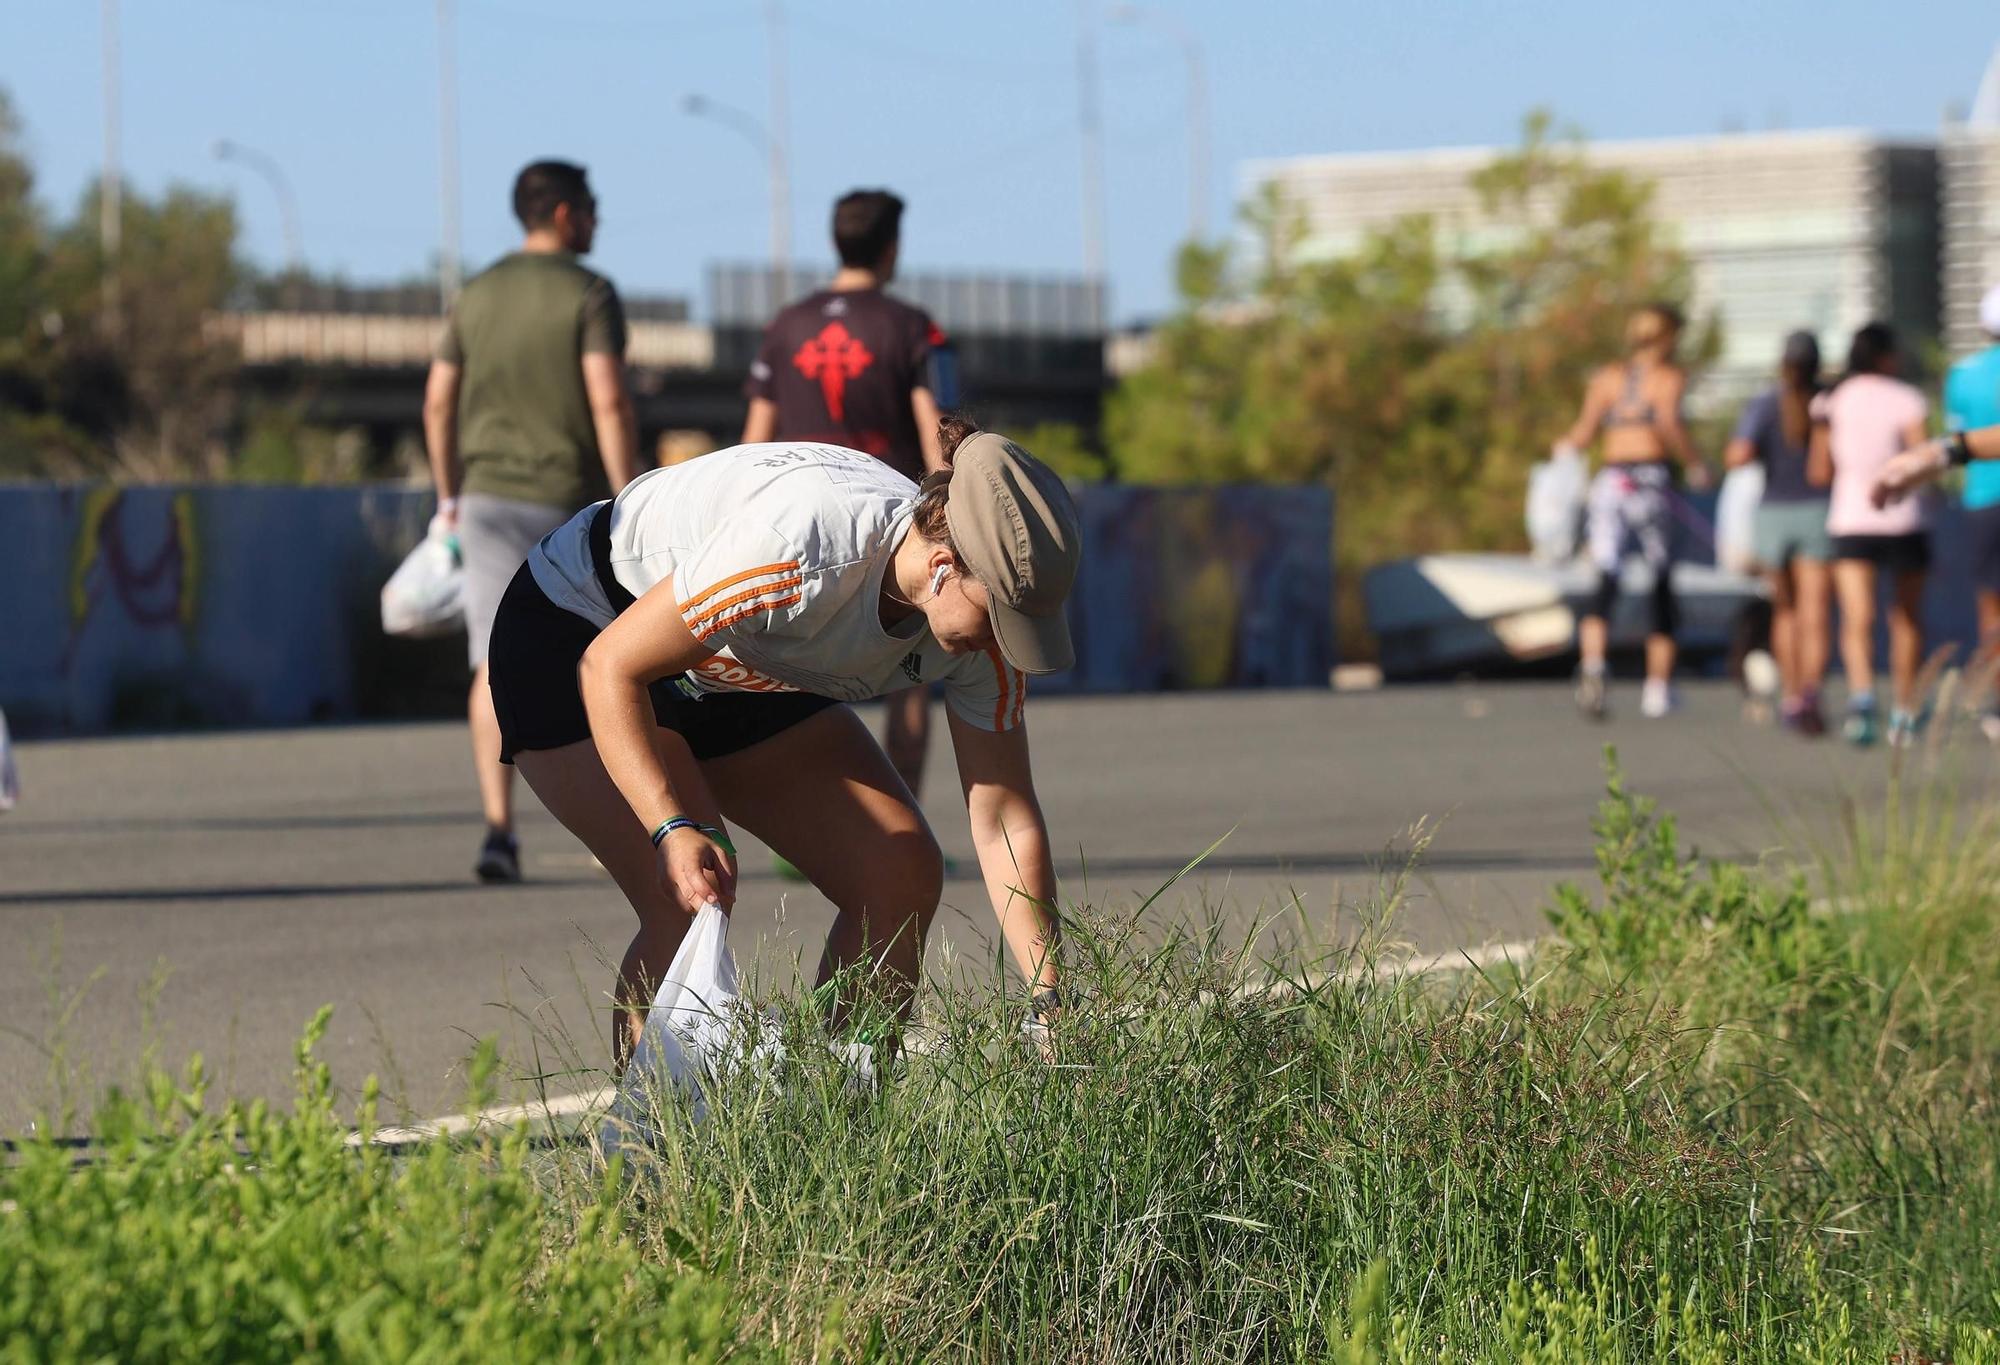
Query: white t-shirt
777, 554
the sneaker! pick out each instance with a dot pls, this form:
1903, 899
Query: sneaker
1590, 698
1656, 700
1905, 726
1042, 1010
499, 858
1760, 675
1810, 721
1860, 727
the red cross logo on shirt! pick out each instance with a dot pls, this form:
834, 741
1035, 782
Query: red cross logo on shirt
833, 357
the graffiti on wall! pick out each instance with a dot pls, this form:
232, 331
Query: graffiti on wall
160, 607
135, 557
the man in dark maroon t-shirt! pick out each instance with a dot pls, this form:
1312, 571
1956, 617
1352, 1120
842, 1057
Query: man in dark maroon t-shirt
850, 366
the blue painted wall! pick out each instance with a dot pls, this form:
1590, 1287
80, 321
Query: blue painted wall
159, 607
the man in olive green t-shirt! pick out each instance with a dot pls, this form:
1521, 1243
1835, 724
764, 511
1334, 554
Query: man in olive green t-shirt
528, 419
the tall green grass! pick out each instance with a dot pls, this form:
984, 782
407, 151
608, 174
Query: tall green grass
1732, 1114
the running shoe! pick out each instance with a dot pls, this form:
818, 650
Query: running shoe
499, 858
1657, 700
1905, 726
1761, 678
1810, 721
1042, 1011
1590, 698
1860, 728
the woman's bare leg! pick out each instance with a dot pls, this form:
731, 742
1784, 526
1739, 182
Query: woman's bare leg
572, 783
826, 798
1906, 636
1785, 633
1811, 603
1854, 583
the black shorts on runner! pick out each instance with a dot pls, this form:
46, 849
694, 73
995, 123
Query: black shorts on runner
532, 664
1909, 553
1982, 533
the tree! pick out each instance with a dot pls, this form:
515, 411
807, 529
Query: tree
81, 394
1422, 380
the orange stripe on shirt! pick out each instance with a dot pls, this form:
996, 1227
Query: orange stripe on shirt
999, 676
709, 630
761, 590
734, 579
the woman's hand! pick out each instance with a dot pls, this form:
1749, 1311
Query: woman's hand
695, 871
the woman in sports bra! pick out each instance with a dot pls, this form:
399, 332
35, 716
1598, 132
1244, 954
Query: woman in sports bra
673, 661
1636, 407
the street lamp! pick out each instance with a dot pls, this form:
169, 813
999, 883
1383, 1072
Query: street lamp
1197, 105
701, 106
274, 176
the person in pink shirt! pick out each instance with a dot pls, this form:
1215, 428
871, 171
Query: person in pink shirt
1861, 425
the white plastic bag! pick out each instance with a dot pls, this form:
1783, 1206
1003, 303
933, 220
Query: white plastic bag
425, 596
1736, 518
698, 1031
696, 1024
10, 777
1557, 488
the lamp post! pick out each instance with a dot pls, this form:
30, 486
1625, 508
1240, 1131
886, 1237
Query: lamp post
1090, 124
111, 185
450, 272
701, 106
1197, 105
273, 175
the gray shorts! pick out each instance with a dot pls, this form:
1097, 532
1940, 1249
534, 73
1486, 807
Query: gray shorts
1784, 531
494, 537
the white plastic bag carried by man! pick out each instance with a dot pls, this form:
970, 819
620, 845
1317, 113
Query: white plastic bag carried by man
425, 596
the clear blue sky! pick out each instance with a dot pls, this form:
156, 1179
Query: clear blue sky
969, 110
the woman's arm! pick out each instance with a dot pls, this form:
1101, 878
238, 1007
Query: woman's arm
1596, 402
647, 642
1739, 452
1674, 433
1819, 456
1012, 840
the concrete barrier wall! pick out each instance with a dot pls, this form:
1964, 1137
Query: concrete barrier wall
161, 607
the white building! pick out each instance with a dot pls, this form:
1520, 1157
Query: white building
1821, 230
1970, 174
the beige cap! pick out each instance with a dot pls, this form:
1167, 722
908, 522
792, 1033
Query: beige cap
1016, 529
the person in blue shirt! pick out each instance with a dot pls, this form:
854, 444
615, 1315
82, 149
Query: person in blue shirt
1972, 401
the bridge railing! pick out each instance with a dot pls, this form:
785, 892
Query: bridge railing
371, 340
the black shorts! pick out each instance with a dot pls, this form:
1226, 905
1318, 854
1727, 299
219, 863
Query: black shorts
532, 663
1909, 553
1982, 534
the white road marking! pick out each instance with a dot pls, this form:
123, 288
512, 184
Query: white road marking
499, 1115
561, 1106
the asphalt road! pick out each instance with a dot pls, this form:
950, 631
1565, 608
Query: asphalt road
208, 893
